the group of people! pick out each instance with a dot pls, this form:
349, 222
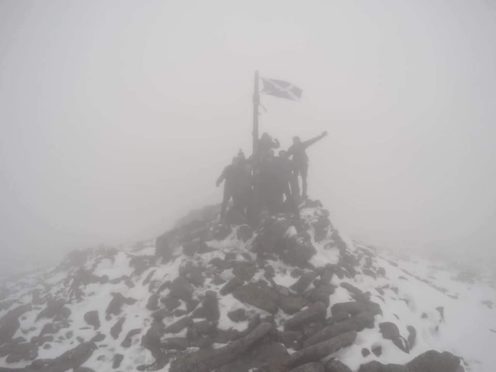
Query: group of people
266, 181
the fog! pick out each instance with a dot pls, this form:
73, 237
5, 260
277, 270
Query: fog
116, 117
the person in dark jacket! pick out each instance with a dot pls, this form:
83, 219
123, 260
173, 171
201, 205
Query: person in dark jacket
300, 158
287, 181
265, 145
228, 176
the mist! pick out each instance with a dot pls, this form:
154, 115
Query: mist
116, 117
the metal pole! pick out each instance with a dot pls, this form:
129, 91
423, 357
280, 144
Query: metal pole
256, 103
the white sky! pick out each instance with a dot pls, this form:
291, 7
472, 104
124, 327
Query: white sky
117, 116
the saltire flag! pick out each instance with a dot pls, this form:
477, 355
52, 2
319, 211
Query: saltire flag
281, 89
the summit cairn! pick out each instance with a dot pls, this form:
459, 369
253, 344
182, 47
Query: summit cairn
287, 295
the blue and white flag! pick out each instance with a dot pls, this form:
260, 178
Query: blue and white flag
281, 89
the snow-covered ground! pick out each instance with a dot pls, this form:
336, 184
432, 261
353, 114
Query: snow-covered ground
448, 314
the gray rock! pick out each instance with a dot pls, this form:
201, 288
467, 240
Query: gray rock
334, 365
314, 312
434, 361
91, 317
317, 352
309, 367
208, 360
259, 295
116, 329
391, 332
356, 323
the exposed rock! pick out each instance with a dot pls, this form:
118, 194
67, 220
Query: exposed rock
9, 323
195, 246
231, 285
116, 329
115, 305
55, 309
141, 263
391, 332
181, 289
356, 323
273, 240
376, 366
320, 293
434, 361
290, 339
209, 308
129, 337
259, 295
412, 336
310, 367
377, 350
175, 343
305, 280
314, 312
355, 292
91, 317
178, 325
152, 303
244, 233
116, 363
334, 365
238, 315
265, 356
344, 310
291, 304
244, 270
207, 360
193, 274
321, 350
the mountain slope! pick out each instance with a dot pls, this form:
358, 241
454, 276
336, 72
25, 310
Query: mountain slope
292, 295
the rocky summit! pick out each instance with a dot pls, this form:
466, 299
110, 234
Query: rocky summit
286, 296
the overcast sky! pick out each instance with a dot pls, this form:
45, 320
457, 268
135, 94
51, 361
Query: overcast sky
116, 117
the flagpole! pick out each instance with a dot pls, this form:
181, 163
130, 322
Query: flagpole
256, 103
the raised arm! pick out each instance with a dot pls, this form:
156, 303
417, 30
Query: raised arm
311, 141
221, 178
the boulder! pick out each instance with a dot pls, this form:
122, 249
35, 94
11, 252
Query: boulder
291, 304
91, 318
55, 309
334, 365
317, 352
238, 315
310, 367
115, 305
314, 312
304, 281
266, 356
376, 366
181, 289
435, 361
129, 337
231, 285
9, 323
193, 274
116, 329
344, 310
291, 339
116, 362
209, 308
391, 332
259, 295
178, 325
321, 293
244, 270
210, 359
356, 323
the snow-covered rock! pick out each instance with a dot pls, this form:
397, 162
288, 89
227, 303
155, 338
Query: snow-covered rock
288, 295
